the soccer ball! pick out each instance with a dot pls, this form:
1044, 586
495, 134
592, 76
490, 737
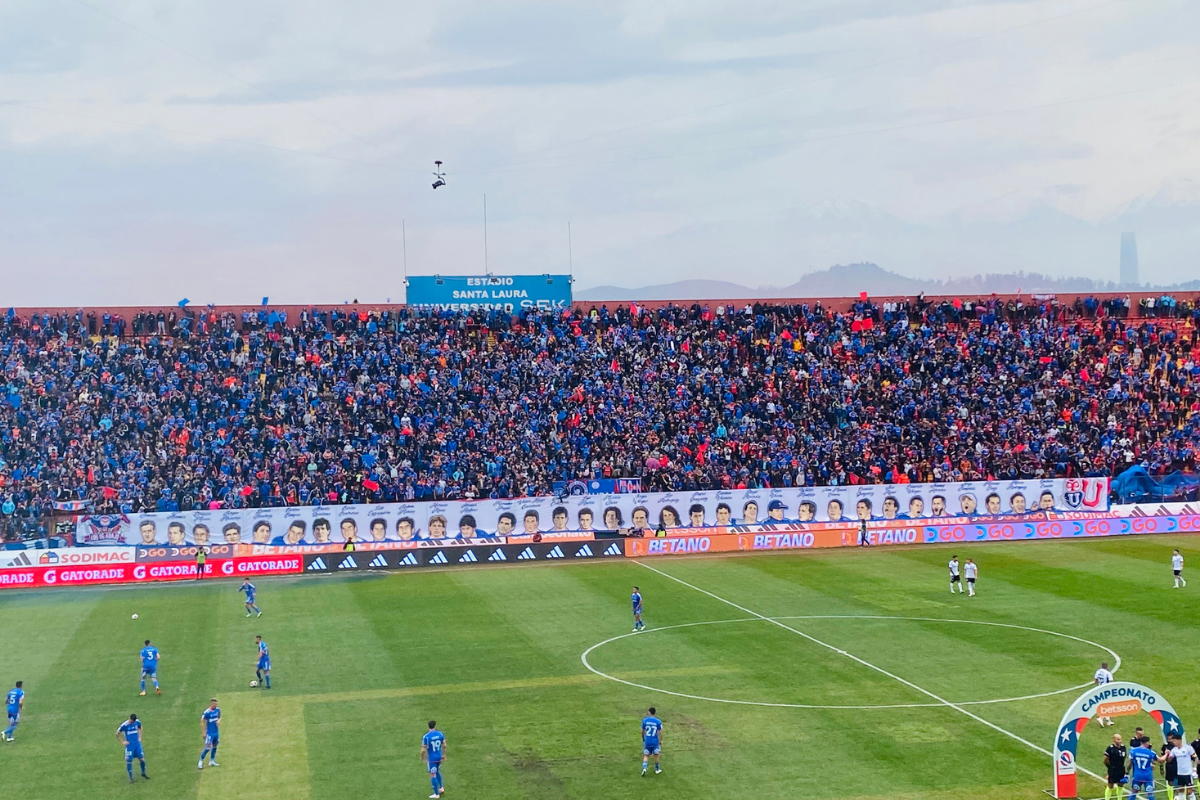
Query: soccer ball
135, 616
253, 684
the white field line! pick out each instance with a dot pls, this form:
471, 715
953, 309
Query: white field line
587, 663
868, 665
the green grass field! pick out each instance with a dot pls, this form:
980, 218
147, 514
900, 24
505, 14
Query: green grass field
361, 663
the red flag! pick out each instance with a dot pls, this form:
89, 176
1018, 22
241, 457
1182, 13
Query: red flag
862, 295
686, 346
958, 304
109, 492
246, 490
370, 485
615, 367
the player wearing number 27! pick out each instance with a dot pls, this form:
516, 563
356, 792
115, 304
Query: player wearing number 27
433, 752
651, 741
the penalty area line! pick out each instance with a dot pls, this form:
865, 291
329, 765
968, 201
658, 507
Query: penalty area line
940, 700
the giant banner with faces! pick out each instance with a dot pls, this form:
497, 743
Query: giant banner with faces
930, 503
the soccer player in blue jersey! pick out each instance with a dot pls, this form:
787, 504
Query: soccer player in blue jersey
636, 597
264, 663
15, 702
651, 741
433, 752
150, 656
210, 724
251, 592
1141, 761
129, 734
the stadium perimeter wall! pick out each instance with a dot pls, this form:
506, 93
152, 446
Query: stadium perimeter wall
84, 566
832, 303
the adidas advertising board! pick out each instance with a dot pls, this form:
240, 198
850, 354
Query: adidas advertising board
461, 556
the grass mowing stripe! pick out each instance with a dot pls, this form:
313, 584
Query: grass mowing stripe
867, 664
268, 750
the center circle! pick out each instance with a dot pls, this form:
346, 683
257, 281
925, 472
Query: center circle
598, 645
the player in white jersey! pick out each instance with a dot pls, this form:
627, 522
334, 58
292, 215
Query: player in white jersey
1185, 765
1102, 677
970, 572
1177, 568
955, 579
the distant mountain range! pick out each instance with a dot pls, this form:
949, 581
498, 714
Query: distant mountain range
850, 279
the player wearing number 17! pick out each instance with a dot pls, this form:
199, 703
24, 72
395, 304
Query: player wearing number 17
651, 742
1141, 762
433, 752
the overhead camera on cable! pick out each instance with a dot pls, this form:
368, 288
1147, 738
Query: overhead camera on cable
439, 174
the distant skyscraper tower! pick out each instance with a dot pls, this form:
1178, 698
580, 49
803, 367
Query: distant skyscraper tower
1129, 265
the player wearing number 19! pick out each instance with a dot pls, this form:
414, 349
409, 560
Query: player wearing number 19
433, 752
651, 741
129, 734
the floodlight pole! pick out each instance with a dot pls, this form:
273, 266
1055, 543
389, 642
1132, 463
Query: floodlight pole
485, 243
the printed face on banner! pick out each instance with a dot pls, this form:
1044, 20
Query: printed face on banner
449, 520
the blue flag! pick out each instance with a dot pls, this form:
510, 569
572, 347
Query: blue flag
183, 302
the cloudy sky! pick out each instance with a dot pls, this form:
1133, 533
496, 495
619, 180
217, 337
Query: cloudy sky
223, 151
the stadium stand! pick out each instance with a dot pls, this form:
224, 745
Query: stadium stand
165, 410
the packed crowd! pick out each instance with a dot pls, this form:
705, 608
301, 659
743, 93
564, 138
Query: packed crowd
207, 409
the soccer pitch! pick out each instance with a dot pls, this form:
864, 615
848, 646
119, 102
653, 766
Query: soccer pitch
361, 663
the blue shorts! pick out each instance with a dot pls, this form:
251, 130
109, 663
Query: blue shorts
14, 716
212, 741
264, 663
149, 672
1143, 786
435, 767
134, 751
637, 609
651, 747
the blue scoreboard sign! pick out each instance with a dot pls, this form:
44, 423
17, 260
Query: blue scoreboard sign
511, 293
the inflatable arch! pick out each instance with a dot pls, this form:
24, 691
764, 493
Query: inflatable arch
1116, 699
